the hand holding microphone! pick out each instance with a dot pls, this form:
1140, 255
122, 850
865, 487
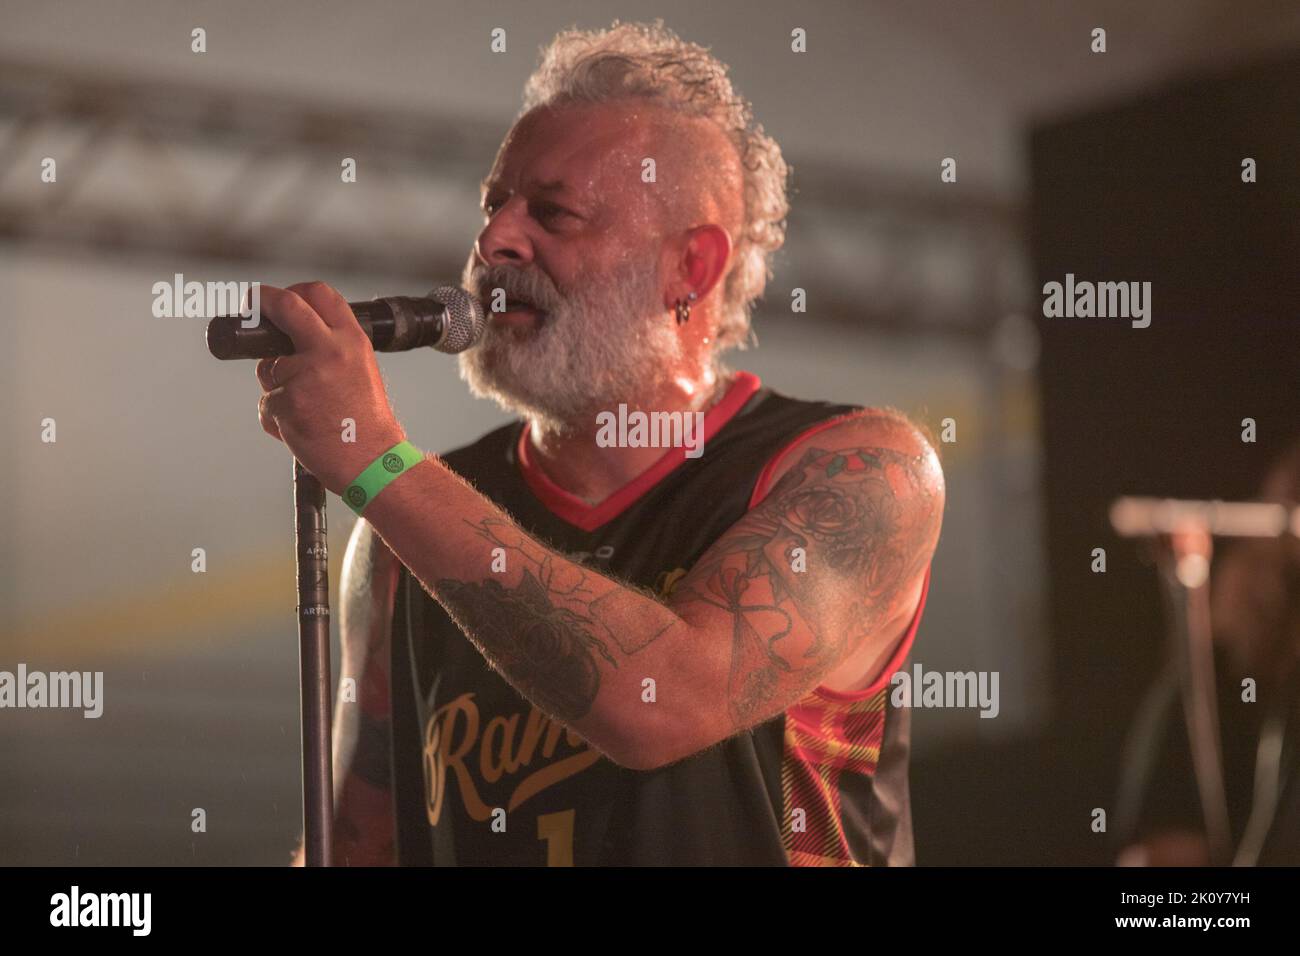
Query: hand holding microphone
318, 368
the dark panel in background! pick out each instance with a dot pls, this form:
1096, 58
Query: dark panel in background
1146, 191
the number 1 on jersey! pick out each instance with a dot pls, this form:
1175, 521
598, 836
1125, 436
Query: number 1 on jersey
557, 830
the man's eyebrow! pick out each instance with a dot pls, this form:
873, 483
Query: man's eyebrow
554, 186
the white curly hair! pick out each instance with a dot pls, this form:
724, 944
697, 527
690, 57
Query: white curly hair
649, 61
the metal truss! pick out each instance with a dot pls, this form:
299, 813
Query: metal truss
247, 177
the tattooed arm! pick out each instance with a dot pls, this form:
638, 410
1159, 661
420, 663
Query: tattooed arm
745, 634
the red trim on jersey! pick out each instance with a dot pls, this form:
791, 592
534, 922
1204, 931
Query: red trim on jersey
761, 488
589, 517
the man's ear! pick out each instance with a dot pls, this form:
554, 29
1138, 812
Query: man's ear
701, 261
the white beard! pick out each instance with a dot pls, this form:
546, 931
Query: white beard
609, 343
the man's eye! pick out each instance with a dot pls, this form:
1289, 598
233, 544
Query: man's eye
548, 210
541, 211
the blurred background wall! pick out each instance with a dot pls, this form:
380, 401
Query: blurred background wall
225, 166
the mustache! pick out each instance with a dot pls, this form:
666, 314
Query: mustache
526, 284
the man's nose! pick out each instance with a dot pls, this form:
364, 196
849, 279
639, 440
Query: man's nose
504, 240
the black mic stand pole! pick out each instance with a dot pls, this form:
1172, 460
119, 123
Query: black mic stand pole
314, 665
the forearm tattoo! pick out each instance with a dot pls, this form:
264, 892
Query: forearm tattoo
547, 633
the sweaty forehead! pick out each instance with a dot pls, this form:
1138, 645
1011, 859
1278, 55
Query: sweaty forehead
580, 143
598, 151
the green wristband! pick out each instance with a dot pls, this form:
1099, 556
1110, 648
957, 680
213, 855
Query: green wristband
379, 473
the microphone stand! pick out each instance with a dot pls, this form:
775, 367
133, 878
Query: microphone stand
448, 319
314, 665
1183, 560
1183, 533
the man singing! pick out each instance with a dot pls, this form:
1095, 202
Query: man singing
617, 654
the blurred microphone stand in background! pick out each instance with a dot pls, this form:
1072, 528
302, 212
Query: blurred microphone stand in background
1182, 534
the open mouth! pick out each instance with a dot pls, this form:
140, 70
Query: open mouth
520, 313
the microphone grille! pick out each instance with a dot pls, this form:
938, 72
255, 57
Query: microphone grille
465, 318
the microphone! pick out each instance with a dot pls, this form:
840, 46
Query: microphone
448, 318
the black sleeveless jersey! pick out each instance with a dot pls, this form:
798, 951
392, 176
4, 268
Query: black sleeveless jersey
482, 777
